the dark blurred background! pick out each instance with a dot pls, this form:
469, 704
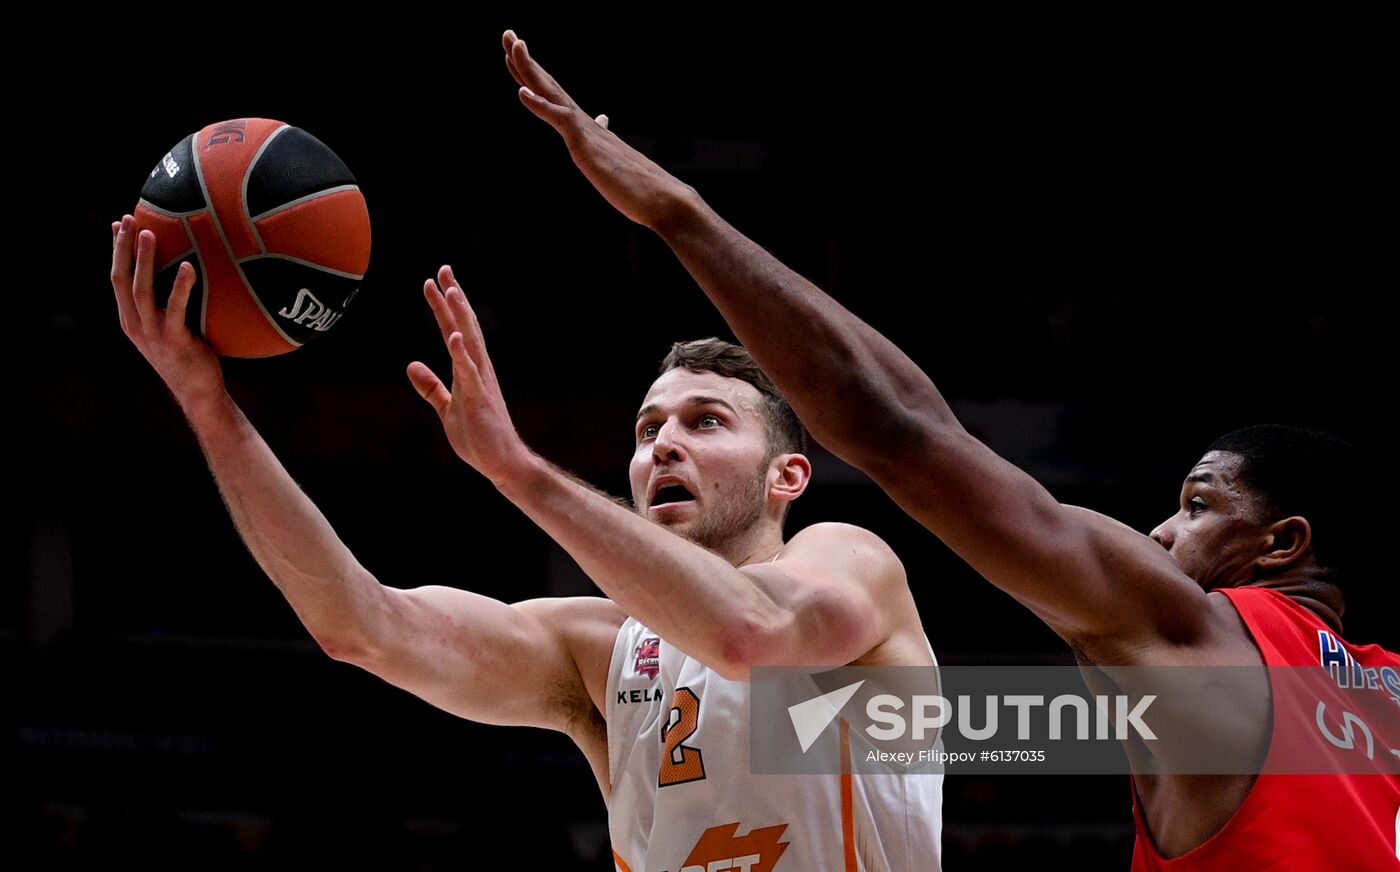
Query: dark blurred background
1109, 240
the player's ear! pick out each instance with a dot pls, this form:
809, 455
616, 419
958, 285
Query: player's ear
1286, 542
788, 475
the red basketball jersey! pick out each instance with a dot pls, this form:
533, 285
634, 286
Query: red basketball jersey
1304, 822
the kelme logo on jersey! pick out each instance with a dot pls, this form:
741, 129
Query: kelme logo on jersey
648, 659
719, 850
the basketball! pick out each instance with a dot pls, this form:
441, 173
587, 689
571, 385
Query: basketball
272, 222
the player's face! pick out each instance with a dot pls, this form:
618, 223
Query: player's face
701, 464
1215, 534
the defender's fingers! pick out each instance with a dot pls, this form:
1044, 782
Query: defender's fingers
556, 116
507, 40
536, 77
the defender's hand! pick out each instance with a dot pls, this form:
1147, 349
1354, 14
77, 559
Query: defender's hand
626, 178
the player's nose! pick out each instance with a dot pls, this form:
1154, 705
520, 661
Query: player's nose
667, 446
1163, 534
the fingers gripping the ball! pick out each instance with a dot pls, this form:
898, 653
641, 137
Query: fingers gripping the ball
179, 298
187, 365
121, 276
134, 290
142, 287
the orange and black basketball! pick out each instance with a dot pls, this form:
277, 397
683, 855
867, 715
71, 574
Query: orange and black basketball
274, 225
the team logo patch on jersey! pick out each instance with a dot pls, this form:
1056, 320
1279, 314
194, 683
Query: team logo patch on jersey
719, 848
648, 660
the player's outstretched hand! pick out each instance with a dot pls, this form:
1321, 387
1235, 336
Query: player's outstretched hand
636, 186
472, 411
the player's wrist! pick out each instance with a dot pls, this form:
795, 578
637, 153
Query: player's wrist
520, 474
679, 206
205, 405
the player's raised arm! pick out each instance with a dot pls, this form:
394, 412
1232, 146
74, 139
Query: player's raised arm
455, 649
1086, 575
827, 601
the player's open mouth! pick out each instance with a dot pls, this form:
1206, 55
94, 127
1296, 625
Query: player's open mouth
671, 494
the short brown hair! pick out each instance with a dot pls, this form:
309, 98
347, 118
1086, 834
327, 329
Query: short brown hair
785, 433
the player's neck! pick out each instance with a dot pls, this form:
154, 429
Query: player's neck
1308, 586
759, 544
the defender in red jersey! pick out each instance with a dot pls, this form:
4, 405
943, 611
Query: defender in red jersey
1299, 821
1261, 532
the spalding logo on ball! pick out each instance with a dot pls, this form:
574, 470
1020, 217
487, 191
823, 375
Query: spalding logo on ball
274, 225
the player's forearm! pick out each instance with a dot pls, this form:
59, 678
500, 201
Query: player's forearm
691, 596
853, 388
867, 401
336, 599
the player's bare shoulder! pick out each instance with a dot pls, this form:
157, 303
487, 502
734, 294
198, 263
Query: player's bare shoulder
852, 555
848, 551
831, 536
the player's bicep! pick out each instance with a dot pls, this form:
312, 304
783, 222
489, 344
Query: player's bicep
475, 657
1083, 573
1154, 600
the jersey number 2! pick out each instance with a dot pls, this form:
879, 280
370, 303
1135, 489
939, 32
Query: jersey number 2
681, 763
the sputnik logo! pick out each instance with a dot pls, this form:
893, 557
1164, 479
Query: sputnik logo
812, 717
